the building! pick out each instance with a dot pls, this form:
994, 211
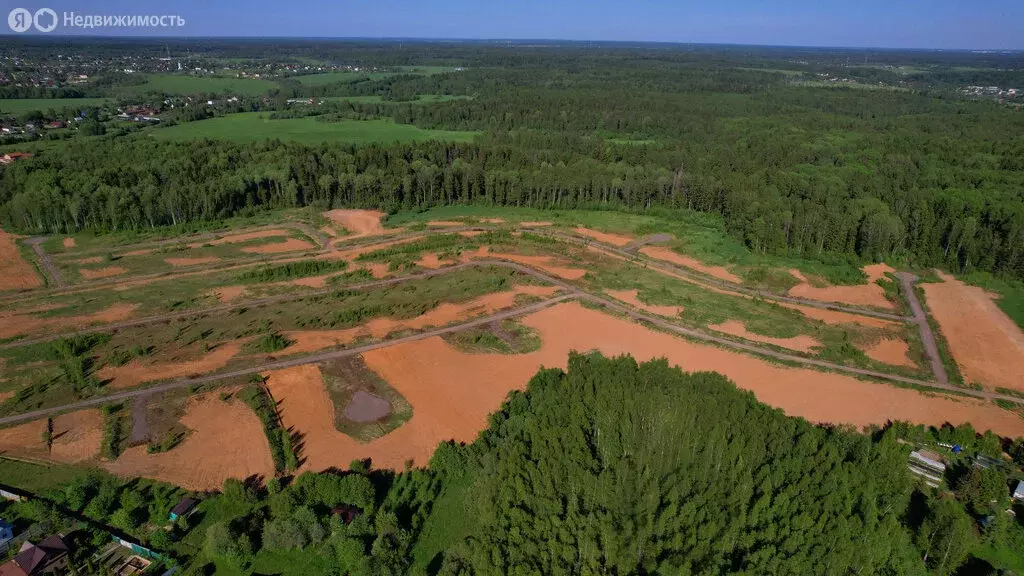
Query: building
347, 512
6, 533
927, 465
48, 557
182, 509
12, 156
1018, 492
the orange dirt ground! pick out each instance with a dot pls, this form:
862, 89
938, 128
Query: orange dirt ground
136, 372
800, 343
306, 341
987, 345
228, 293
245, 237
430, 260
178, 262
329, 231
869, 294
69, 242
90, 260
453, 392
891, 351
357, 222
5, 396
142, 252
76, 438
613, 239
226, 441
289, 245
445, 223
98, 273
534, 224
21, 324
835, 317
15, 272
540, 262
471, 233
632, 297
672, 257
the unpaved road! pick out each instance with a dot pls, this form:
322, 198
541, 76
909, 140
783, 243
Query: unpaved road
927, 337
52, 272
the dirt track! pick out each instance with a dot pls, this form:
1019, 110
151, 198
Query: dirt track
927, 337
55, 277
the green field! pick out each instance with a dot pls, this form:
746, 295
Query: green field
252, 126
21, 105
173, 84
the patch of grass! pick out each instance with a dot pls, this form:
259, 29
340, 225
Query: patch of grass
1011, 293
180, 84
254, 126
19, 106
120, 356
292, 270
505, 337
343, 378
116, 428
268, 343
41, 477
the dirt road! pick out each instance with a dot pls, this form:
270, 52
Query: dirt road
921, 319
52, 272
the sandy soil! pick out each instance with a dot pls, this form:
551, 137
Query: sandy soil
228, 293
632, 297
540, 262
15, 272
453, 392
5, 396
357, 222
470, 233
289, 245
21, 324
835, 317
306, 341
76, 438
493, 220
672, 257
69, 242
800, 343
445, 223
137, 372
430, 260
329, 231
798, 275
226, 441
377, 269
244, 237
90, 260
179, 262
987, 345
142, 252
96, 274
613, 239
534, 224
869, 294
891, 351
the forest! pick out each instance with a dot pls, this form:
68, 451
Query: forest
909, 172
609, 467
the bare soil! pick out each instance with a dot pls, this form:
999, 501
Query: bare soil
229, 293
226, 441
97, 273
986, 344
891, 351
430, 260
90, 260
357, 222
545, 263
76, 438
672, 257
244, 237
870, 294
836, 317
137, 372
534, 224
69, 242
289, 245
180, 262
736, 328
15, 272
632, 297
142, 252
445, 223
607, 238
23, 324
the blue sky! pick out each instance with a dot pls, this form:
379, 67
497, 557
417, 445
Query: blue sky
992, 24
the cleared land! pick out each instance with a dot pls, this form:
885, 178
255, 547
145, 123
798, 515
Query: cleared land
76, 438
15, 272
178, 84
870, 294
252, 126
987, 345
22, 105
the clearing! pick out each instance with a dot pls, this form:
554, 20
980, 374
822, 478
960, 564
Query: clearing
870, 294
15, 272
357, 223
632, 297
76, 438
987, 345
672, 257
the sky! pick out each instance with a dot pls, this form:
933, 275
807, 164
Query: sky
945, 24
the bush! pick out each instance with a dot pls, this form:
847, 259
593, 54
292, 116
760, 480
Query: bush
292, 270
268, 343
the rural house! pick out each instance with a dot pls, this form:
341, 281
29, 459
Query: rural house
6, 533
927, 465
48, 557
182, 509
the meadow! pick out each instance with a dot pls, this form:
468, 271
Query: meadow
252, 126
175, 84
22, 105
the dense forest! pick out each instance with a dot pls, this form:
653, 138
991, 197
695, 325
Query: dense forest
610, 467
896, 174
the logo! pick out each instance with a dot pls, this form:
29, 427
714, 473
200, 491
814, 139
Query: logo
20, 20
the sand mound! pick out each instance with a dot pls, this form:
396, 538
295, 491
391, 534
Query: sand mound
987, 345
869, 294
357, 222
800, 343
69, 242
632, 297
289, 245
226, 441
101, 272
135, 372
76, 438
15, 272
667, 255
891, 351
22, 324
179, 262
613, 239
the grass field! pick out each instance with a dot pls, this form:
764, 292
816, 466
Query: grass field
173, 84
252, 126
22, 105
